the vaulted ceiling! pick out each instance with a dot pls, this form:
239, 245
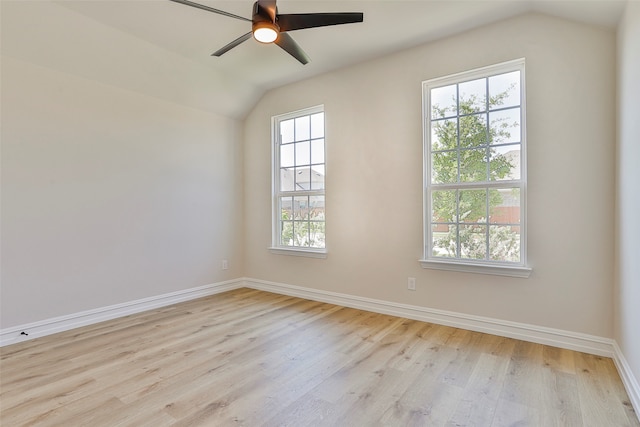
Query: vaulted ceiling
163, 49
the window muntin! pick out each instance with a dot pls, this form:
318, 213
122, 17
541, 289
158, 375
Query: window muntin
474, 167
299, 180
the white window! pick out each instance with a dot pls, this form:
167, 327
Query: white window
475, 171
299, 183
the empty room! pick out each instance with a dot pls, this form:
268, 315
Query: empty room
320, 213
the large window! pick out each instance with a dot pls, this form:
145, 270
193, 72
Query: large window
475, 174
299, 182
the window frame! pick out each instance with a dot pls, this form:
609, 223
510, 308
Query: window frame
483, 266
276, 246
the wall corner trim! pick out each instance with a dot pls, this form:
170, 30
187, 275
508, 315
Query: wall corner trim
628, 379
64, 323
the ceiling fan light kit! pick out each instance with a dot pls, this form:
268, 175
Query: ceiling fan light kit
267, 26
265, 32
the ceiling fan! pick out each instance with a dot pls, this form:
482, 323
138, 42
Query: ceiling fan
268, 26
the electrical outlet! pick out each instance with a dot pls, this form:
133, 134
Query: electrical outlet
225, 264
411, 284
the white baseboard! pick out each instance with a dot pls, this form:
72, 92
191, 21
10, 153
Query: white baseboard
538, 334
628, 379
64, 323
555, 337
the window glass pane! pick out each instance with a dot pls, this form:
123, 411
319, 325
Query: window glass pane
472, 96
317, 177
303, 178
473, 130
286, 225
504, 90
505, 162
287, 178
472, 205
316, 208
317, 125
303, 128
317, 234
504, 206
444, 167
303, 153
504, 243
443, 206
444, 134
317, 224
473, 241
505, 126
286, 208
301, 233
317, 151
300, 208
444, 102
286, 131
473, 165
286, 233
444, 240
286, 156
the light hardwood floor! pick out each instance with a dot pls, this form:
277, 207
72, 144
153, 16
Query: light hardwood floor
251, 358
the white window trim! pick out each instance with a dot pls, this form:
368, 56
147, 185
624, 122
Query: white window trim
521, 270
309, 253
275, 248
479, 268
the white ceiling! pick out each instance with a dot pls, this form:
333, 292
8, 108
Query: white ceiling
162, 49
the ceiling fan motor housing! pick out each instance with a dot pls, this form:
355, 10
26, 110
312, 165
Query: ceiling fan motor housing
262, 20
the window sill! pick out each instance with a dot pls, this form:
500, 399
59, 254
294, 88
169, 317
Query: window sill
496, 270
309, 253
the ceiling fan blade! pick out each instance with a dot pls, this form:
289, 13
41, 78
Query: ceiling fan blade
286, 42
299, 21
210, 9
233, 44
269, 6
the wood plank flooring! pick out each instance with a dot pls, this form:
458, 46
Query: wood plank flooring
252, 358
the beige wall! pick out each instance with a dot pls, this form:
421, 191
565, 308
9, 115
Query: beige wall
374, 177
109, 196
627, 301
